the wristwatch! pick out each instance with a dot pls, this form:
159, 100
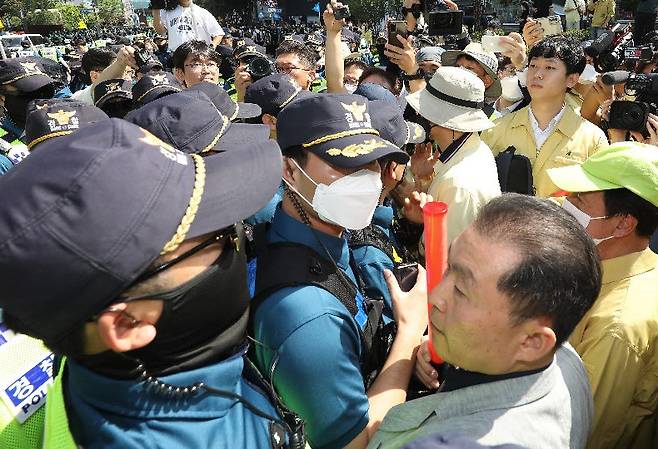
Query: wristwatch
419, 75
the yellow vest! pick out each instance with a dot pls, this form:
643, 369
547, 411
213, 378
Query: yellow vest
56, 433
25, 363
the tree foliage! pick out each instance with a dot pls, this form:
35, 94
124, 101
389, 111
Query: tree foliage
374, 11
110, 11
71, 15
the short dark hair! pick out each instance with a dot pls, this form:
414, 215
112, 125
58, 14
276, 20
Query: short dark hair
559, 275
356, 63
624, 202
394, 82
566, 49
97, 59
298, 153
306, 55
199, 49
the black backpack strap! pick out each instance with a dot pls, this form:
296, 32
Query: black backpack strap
283, 265
503, 165
371, 236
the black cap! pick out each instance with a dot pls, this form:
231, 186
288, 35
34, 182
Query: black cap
337, 128
151, 87
225, 104
387, 118
274, 92
190, 122
27, 74
57, 117
109, 89
249, 49
317, 39
102, 203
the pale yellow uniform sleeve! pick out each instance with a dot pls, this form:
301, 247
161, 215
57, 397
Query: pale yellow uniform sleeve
614, 369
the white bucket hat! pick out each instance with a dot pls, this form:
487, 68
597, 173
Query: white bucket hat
487, 60
453, 98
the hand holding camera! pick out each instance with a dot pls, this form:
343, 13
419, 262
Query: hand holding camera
332, 23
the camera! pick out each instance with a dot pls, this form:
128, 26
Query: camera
642, 54
440, 19
632, 115
342, 13
259, 67
611, 56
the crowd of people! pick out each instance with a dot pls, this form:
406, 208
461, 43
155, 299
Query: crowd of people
215, 236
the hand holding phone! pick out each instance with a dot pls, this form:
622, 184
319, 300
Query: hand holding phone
493, 44
396, 27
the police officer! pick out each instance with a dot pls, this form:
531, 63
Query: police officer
21, 81
318, 335
143, 288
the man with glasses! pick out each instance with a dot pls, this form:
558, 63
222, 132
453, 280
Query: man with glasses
297, 60
142, 286
196, 62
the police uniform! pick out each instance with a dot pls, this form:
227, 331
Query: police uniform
308, 335
151, 186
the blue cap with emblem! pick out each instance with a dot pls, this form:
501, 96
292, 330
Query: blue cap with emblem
103, 203
337, 128
190, 122
151, 87
274, 92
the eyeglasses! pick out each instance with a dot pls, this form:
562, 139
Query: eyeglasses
196, 66
289, 68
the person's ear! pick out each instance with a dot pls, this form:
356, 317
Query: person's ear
572, 80
123, 332
626, 226
537, 341
290, 171
180, 76
390, 170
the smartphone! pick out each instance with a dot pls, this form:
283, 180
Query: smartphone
342, 13
552, 25
493, 44
406, 274
396, 27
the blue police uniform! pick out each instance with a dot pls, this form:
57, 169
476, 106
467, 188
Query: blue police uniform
316, 345
372, 261
5, 164
109, 413
266, 214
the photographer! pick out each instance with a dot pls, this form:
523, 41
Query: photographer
101, 65
185, 22
248, 71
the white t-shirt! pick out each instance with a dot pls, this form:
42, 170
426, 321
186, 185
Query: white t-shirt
86, 95
189, 23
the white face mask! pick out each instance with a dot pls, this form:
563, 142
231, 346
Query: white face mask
511, 89
350, 88
348, 202
583, 219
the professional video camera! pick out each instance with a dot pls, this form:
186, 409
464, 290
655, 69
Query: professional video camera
259, 67
632, 115
440, 19
615, 47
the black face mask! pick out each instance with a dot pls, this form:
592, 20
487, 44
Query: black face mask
16, 106
202, 322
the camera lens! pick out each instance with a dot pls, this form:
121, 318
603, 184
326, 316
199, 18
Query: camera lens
260, 67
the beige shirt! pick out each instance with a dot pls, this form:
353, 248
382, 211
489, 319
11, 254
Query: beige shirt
466, 182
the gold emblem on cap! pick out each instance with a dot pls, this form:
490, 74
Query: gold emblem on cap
357, 149
241, 42
30, 68
62, 117
251, 48
111, 87
160, 79
356, 109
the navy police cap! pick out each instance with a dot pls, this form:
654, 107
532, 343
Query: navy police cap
190, 122
151, 87
93, 210
274, 92
337, 128
225, 104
